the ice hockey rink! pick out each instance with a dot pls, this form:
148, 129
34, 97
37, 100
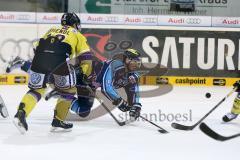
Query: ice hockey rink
102, 138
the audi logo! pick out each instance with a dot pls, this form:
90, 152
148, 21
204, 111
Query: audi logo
193, 21
10, 48
150, 20
23, 17
111, 19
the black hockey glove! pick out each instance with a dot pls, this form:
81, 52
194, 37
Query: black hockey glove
122, 105
237, 84
135, 110
81, 78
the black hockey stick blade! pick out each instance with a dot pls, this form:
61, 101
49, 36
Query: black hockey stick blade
161, 130
182, 127
125, 122
121, 123
208, 131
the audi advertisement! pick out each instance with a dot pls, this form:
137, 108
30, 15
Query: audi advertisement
122, 19
183, 52
185, 21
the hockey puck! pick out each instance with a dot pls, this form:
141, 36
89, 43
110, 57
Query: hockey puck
208, 95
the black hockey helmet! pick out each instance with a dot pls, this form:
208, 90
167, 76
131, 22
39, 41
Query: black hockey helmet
70, 19
132, 59
132, 53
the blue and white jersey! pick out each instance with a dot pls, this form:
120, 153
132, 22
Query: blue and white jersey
113, 75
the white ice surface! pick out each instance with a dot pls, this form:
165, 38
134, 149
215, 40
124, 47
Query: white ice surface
102, 138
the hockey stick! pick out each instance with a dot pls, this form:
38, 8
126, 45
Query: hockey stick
106, 108
127, 121
115, 119
70, 96
208, 131
161, 130
187, 128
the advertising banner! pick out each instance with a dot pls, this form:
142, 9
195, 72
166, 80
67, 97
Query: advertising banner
123, 19
185, 20
48, 18
183, 52
13, 79
226, 22
17, 17
160, 7
102, 19
188, 81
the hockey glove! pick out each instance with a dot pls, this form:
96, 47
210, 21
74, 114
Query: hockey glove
81, 78
237, 84
122, 105
135, 110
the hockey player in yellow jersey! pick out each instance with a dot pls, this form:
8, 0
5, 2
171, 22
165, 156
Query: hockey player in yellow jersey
235, 111
57, 46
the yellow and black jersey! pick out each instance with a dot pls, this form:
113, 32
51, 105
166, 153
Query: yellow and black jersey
58, 45
70, 36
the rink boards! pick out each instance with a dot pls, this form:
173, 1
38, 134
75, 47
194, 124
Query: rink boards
16, 79
194, 56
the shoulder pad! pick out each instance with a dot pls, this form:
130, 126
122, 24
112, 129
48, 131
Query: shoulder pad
117, 63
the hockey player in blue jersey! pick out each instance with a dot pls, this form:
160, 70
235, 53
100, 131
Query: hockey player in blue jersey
119, 72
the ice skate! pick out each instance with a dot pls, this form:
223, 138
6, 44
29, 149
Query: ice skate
59, 125
229, 117
3, 109
20, 120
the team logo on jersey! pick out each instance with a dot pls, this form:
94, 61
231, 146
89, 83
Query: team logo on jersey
35, 78
61, 81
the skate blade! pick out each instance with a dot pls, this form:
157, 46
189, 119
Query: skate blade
59, 130
3, 111
20, 128
72, 112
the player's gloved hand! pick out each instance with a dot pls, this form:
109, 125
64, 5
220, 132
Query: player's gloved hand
81, 78
237, 84
135, 110
133, 79
122, 105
